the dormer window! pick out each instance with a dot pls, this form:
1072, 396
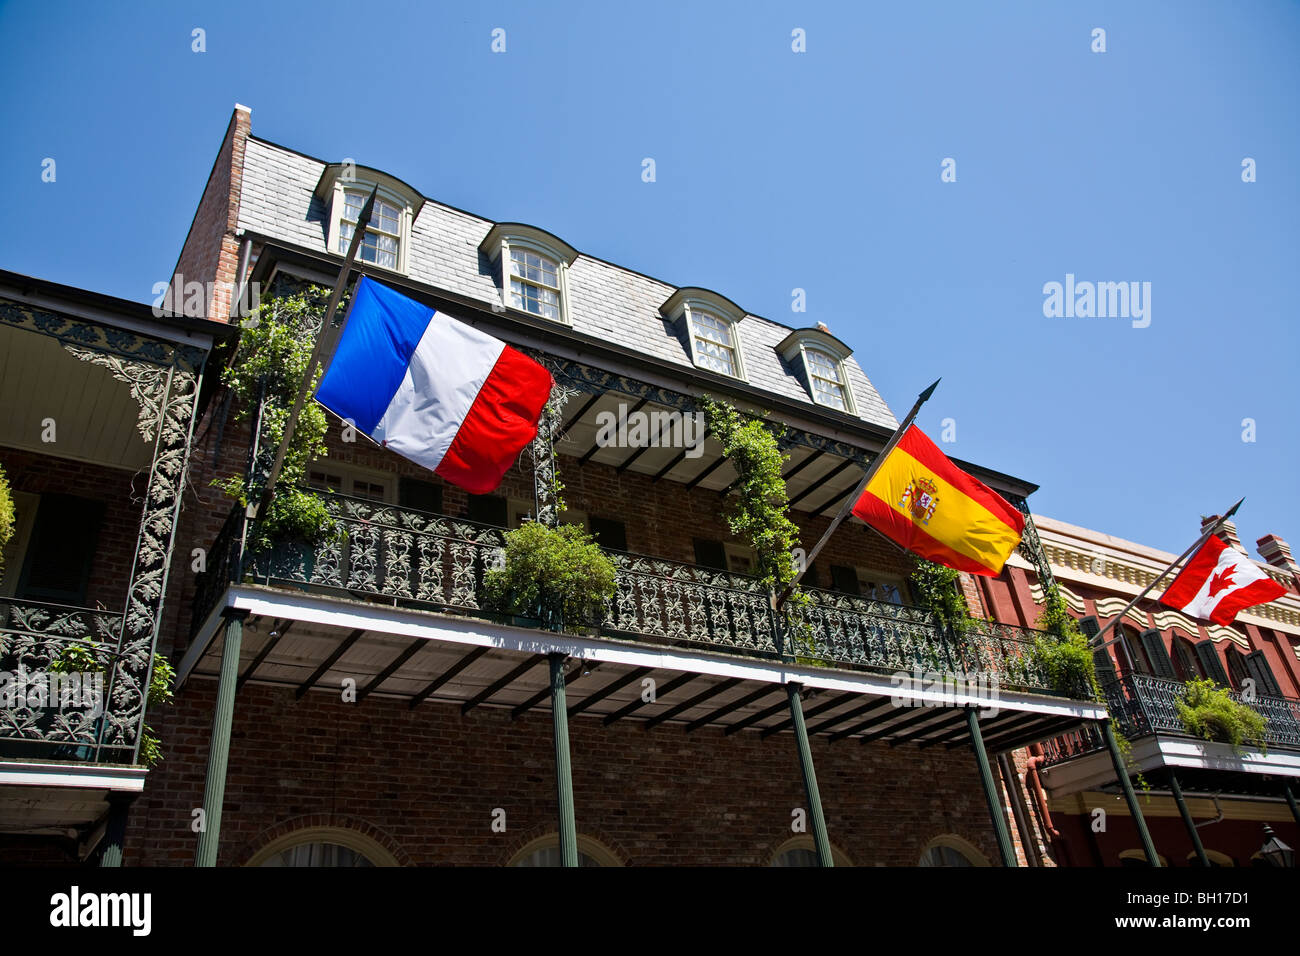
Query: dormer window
827, 379
715, 347
533, 269
535, 283
382, 241
344, 189
709, 323
818, 357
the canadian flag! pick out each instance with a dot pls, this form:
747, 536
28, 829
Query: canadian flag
1218, 582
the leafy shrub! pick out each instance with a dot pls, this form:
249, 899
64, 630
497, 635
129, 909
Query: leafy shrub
558, 575
1207, 711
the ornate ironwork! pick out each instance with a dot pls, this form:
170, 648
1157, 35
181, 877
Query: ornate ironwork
1142, 704
163, 378
425, 560
1031, 547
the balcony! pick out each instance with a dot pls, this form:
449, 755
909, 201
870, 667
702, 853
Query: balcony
1146, 706
418, 560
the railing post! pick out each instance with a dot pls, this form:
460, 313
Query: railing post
214, 786
1005, 848
820, 837
563, 768
1116, 758
1187, 819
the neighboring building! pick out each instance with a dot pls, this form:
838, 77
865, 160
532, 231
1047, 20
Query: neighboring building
98, 398
1229, 796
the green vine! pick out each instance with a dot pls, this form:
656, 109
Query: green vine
7, 518
938, 590
275, 349
83, 656
759, 513
1065, 657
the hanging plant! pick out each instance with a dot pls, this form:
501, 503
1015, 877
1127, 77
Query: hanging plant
7, 519
275, 348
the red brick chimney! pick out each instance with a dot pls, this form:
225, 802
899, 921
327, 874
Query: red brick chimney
1276, 552
210, 256
1227, 532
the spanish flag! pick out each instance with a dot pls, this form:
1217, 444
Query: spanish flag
926, 504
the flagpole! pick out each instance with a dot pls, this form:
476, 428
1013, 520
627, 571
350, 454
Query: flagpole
852, 499
325, 333
1205, 536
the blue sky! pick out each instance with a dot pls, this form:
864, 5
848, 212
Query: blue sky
778, 170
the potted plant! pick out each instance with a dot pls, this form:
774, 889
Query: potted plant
558, 577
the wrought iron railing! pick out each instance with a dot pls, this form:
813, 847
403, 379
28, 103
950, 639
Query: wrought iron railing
51, 710
1143, 705
418, 559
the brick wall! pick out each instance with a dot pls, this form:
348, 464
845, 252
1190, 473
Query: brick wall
424, 783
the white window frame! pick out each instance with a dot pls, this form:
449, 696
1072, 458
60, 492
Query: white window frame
732, 330
843, 382
797, 345
348, 475
866, 577
561, 277
503, 237
741, 559
681, 307
405, 216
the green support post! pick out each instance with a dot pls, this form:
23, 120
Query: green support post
1290, 801
1187, 819
214, 786
820, 838
1116, 758
1005, 847
115, 832
563, 769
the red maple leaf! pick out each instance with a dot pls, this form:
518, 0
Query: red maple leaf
1222, 581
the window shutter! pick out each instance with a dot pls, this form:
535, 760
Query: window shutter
710, 554
1090, 627
1186, 660
810, 578
1154, 645
1105, 667
1210, 662
420, 495
609, 533
62, 548
1258, 667
1237, 667
844, 580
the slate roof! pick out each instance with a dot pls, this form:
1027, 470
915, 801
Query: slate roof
605, 300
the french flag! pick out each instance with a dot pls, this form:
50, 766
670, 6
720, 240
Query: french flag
433, 389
